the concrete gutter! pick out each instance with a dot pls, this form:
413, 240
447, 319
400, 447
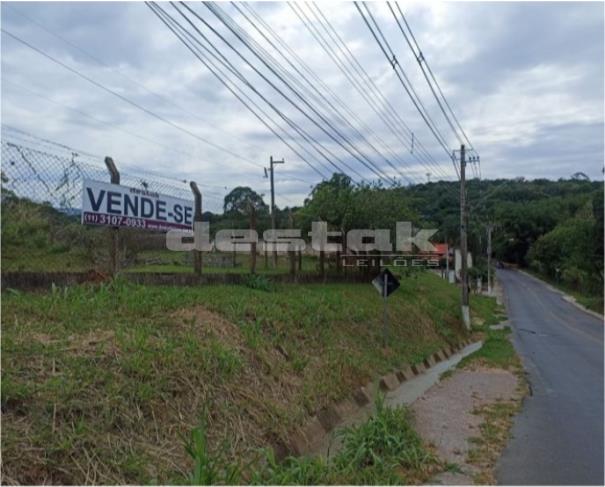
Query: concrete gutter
401, 387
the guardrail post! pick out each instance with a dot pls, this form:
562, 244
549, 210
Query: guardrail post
197, 217
114, 251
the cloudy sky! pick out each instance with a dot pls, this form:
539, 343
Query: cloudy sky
525, 80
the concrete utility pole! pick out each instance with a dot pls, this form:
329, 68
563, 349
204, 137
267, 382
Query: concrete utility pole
463, 243
271, 164
490, 227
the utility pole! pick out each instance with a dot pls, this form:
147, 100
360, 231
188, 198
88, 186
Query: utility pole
463, 243
271, 164
490, 227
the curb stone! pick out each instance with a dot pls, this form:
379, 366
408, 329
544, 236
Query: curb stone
310, 434
389, 382
429, 362
418, 368
361, 397
326, 420
405, 374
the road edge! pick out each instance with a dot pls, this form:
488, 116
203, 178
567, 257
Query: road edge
570, 299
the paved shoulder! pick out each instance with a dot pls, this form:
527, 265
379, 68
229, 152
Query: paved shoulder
558, 437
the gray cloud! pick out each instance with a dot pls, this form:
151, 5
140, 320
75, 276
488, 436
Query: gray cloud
525, 79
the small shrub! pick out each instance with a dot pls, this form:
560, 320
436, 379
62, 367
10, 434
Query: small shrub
261, 283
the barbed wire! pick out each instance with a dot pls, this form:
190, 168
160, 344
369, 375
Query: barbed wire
45, 171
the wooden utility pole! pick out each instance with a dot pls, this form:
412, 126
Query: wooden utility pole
463, 242
271, 164
490, 227
115, 231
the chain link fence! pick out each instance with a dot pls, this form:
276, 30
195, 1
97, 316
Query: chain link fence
44, 171
51, 174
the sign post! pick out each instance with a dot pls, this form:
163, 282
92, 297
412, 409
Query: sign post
386, 284
197, 217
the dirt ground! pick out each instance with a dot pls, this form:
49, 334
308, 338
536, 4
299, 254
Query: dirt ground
446, 418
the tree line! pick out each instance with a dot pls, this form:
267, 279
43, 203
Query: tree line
554, 227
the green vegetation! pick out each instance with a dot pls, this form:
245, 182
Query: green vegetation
385, 450
493, 436
100, 384
38, 237
497, 350
591, 301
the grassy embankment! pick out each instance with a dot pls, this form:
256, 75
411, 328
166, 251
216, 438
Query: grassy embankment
105, 384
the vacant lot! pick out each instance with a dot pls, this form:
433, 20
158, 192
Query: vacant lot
105, 384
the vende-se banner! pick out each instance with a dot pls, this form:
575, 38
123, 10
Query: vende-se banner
121, 206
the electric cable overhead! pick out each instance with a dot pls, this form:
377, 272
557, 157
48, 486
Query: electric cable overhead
370, 85
167, 100
392, 60
127, 100
172, 24
389, 117
285, 51
430, 78
339, 138
307, 87
220, 58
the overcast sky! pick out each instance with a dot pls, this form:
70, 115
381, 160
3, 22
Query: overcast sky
524, 79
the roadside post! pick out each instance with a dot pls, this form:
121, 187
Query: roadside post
115, 235
197, 217
292, 253
386, 284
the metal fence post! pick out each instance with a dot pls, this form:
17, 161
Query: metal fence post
197, 217
115, 231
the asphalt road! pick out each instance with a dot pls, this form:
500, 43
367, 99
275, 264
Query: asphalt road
558, 435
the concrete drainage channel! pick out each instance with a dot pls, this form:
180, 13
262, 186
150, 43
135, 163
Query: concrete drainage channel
401, 387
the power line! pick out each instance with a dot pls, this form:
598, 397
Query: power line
229, 66
167, 20
350, 148
372, 88
311, 90
392, 60
292, 54
423, 62
411, 91
390, 118
419, 59
127, 100
164, 98
220, 58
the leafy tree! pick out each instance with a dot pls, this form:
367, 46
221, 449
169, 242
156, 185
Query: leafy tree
241, 199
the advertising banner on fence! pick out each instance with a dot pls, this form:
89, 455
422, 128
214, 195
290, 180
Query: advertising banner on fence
121, 206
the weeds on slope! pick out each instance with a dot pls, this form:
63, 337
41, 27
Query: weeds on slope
98, 382
385, 450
